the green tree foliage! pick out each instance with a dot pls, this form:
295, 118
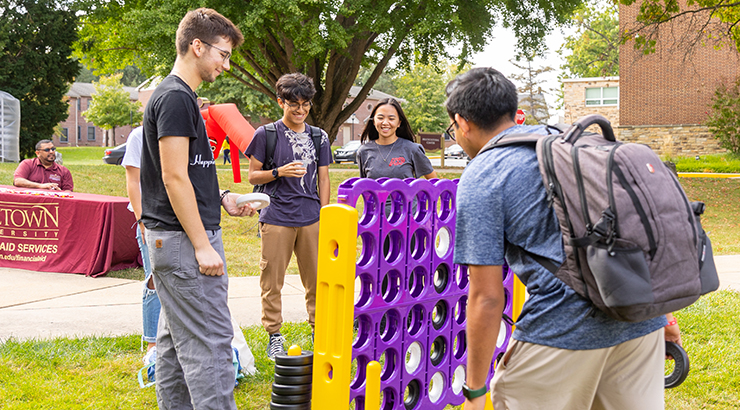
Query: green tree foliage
423, 88
131, 76
327, 40
701, 22
86, 76
251, 103
531, 96
111, 107
724, 120
593, 51
36, 38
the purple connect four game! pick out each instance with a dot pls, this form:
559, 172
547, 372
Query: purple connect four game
410, 298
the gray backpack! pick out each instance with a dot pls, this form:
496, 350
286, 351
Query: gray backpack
634, 244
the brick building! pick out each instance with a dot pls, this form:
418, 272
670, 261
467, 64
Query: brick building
598, 95
665, 96
76, 130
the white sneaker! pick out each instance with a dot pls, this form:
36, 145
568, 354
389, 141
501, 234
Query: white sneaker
150, 356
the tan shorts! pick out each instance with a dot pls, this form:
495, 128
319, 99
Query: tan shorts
628, 376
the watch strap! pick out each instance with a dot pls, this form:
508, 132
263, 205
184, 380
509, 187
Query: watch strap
471, 394
223, 194
275, 173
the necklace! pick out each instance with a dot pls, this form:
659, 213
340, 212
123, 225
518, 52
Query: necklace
385, 159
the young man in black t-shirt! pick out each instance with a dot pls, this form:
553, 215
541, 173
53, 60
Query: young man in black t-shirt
181, 212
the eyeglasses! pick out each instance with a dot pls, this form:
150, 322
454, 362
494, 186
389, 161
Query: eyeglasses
451, 130
47, 149
225, 54
295, 106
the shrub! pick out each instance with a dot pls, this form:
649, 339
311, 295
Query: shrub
724, 121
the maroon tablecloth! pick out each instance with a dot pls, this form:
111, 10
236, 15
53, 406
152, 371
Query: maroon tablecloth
71, 232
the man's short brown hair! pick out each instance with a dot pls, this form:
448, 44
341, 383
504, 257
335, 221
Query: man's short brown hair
206, 25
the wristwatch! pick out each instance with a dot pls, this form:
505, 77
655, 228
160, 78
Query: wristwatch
275, 173
472, 394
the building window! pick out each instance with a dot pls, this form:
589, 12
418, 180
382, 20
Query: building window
91, 133
602, 96
65, 135
79, 104
79, 132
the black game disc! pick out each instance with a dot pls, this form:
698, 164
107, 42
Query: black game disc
295, 399
288, 390
293, 380
302, 406
681, 368
304, 359
293, 370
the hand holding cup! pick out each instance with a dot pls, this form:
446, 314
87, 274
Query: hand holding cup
295, 169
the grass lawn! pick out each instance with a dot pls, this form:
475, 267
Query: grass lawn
100, 372
241, 244
708, 163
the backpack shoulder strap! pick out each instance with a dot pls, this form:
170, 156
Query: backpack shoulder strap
511, 139
316, 137
270, 143
522, 138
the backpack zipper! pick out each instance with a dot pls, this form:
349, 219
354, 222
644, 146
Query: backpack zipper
555, 189
639, 208
581, 189
610, 186
552, 188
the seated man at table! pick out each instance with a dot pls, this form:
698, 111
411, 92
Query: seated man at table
42, 172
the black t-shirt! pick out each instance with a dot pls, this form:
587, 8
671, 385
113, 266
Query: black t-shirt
173, 111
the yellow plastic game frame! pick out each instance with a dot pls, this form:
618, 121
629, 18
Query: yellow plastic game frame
335, 313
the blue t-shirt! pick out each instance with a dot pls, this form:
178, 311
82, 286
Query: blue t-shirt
500, 199
296, 201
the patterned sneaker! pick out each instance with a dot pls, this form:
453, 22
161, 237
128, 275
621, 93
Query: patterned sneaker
275, 346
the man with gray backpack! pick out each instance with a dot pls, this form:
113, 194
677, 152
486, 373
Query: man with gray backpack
604, 261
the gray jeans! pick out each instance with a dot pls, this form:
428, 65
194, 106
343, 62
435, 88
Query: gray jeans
194, 357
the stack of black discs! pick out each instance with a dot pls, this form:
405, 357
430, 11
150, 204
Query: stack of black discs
292, 387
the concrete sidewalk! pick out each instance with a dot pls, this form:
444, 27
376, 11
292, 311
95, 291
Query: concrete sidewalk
40, 305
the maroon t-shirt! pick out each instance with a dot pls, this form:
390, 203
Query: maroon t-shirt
32, 170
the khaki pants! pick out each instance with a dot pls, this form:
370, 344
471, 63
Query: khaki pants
629, 376
278, 244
